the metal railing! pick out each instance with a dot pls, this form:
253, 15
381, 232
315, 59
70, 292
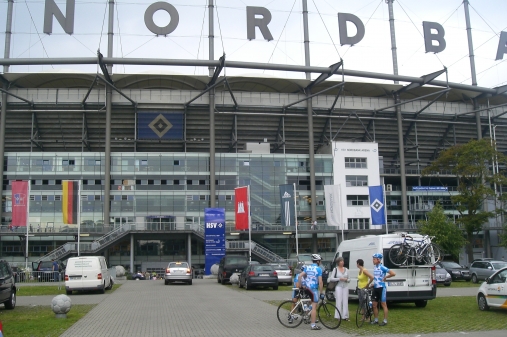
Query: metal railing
261, 251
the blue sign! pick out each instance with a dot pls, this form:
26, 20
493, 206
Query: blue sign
214, 237
377, 207
430, 188
156, 125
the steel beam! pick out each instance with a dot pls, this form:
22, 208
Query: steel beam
324, 76
83, 102
313, 95
103, 67
205, 91
218, 70
18, 97
117, 90
234, 134
483, 109
280, 139
425, 80
442, 140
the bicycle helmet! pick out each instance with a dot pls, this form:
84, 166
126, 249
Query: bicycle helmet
378, 256
316, 257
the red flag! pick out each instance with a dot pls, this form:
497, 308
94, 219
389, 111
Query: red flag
242, 211
19, 203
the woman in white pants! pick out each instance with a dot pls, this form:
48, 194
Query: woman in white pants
340, 274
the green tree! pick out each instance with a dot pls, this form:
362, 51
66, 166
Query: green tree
447, 234
470, 163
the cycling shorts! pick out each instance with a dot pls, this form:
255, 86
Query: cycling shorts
379, 294
308, 293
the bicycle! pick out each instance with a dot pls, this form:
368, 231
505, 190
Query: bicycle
364, 310
411, 250
292, 317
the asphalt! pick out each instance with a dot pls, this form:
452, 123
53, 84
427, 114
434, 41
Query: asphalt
206, 308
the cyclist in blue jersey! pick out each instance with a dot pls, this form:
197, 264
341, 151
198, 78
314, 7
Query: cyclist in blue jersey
313, 279
380, 274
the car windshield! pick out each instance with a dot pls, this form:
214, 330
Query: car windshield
280, 266
178, 265
499, 265
236, 260
450, 265
46, 264
262, 268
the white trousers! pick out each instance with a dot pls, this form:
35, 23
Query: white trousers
342, 301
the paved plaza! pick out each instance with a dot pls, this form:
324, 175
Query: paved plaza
149, 308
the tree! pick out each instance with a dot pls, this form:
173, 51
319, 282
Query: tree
470, 164
447, 235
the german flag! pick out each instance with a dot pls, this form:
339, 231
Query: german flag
70, 201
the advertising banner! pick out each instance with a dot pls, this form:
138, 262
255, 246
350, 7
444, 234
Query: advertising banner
214, 237
287, 203
377, 206
241, 208
19, 203
332, 195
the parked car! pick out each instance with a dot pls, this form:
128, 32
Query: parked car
443, 276
457, 271
43, 271
284, 273
482, 269
7, 285
493, 292
87, 273
178, 272
258, 275
138, 276
231, 264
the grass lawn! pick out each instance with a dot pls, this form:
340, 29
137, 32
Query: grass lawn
49, 290
39, 320
444, 314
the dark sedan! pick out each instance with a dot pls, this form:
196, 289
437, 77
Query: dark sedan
457, 272
259, 275
443, 277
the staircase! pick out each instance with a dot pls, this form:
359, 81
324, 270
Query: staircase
257, 249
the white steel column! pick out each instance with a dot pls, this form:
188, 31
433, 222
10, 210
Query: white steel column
109, 97
212, 201
393, 38
306, 37
470, 43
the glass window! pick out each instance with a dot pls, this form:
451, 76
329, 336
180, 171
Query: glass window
351, 162
356, 180
357, 200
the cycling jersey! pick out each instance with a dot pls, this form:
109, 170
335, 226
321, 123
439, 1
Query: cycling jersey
313, 272
379, 272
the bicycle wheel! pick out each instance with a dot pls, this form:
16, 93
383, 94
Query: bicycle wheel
284, 315
362, 314
433, 251
326, 312
398, 254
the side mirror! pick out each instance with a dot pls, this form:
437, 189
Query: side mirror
490, 268
487, 280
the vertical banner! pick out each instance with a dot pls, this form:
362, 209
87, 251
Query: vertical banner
242, 211
287, 205
214, 237
70, 201
19, 203
377, 205
332, 195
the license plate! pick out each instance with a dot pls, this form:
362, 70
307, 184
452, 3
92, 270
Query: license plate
75, 278
395, 284
263, 274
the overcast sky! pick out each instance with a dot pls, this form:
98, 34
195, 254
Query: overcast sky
132, 38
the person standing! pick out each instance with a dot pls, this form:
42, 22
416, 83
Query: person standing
364, 278
380, 275
55, 269
313, 275
340, 274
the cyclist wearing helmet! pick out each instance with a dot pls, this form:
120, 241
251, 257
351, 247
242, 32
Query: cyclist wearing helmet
380, 274
313, 275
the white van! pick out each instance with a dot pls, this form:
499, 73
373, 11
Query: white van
414, 283
87, 273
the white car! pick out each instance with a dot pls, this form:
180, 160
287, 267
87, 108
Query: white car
178, 272
87, 273
493, 292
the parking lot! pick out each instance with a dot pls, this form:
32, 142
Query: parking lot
205, 308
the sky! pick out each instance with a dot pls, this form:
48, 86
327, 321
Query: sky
189, 40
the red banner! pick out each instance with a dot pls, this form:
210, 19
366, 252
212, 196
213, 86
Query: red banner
19, 203
241, 207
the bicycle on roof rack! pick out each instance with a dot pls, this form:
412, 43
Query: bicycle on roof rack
291, 314
411, 251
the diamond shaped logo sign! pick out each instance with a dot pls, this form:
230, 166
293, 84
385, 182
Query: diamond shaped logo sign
160, 125
377, 205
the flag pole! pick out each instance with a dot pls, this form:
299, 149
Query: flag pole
27, 221
296, 219
341, 210
249, 226
78, 215
385, 209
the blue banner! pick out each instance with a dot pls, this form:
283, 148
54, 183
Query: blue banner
430, 188
377, 207
156, 125
214, 237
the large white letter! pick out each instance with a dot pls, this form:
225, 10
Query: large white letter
502, 46
252, 22
429, 37
150, 24
67, 22
342, 25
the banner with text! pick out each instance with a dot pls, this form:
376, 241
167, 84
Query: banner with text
377, 206
242, 208
287, 205
19, 203
214, 237
332, 195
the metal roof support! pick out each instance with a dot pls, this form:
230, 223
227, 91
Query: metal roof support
442, 140
35, 134
117, 90
414, 99
18, 97
364, 127
328, 121
425, 80
83, 102
313, 95
206, 90
280, 138
371, 123
483, 109
234, 134
232, 95
103, 67
218, 70
84, 134
341, 127
325, 75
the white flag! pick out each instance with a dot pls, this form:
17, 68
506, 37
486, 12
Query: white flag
332, 195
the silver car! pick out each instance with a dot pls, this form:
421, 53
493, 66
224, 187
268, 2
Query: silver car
178, 272
484, 268
284, 273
